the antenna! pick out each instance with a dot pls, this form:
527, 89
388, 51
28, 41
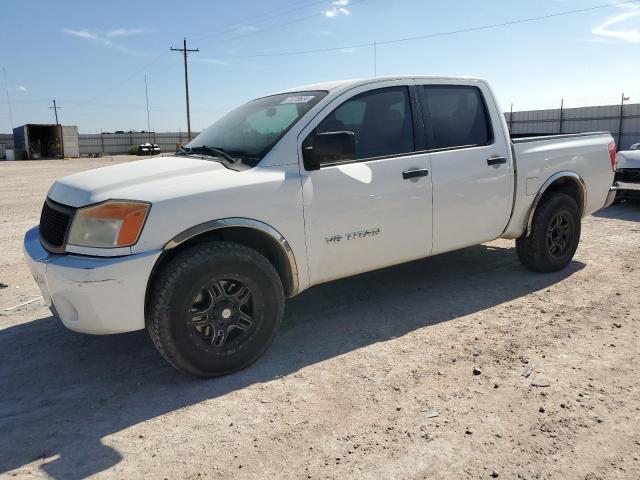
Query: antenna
375, 58
146, 92
6, 86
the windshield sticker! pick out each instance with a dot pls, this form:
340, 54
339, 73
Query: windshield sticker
297, 99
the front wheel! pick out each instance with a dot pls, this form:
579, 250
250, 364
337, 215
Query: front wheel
555, 234
215, 308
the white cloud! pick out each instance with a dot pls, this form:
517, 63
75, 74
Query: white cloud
246, 29
125, 32
594, 40
629, 35
338, 7
79, 33
104, 39
19, 88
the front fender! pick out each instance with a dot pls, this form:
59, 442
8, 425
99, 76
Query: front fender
249, 223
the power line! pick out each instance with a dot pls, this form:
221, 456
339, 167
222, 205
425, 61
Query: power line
280, 25
433, 35
122, 82
264, 17
273, 13
228, 29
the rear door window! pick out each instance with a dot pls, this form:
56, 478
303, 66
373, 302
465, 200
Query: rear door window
456, 117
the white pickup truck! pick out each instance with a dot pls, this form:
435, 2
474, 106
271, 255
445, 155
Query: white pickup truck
299, 188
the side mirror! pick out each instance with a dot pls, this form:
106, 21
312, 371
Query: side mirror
327, 148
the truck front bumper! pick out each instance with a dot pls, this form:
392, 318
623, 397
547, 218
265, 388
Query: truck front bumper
628, 183
97, 295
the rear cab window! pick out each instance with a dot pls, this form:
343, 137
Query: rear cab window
455, 116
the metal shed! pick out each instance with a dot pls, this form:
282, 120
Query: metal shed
36, 141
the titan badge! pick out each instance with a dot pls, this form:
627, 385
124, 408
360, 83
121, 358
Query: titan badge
372, 232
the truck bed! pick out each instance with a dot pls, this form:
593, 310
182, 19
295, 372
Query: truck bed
539, 158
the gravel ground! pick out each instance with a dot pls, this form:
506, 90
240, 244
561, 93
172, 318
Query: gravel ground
370, 377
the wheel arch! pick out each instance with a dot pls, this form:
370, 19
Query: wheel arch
249, 232
568, 182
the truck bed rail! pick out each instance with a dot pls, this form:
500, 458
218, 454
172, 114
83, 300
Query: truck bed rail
522, 138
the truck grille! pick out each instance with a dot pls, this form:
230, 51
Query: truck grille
55, 221
629, 175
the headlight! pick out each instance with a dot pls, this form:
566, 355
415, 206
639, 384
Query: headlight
114, 223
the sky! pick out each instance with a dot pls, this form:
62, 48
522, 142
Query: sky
92, 57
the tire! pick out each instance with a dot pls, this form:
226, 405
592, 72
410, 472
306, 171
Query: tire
540, 254
197, 313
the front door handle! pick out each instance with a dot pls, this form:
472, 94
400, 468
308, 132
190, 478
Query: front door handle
423, 172
496, 160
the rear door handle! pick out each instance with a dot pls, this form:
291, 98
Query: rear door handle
496, 160
423, 172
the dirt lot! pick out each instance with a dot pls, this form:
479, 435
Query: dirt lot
370, 377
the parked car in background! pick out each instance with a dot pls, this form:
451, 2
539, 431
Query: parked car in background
148, 149
298, 188
628, 174
635, 146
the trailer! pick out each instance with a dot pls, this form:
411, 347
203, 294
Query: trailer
39, 141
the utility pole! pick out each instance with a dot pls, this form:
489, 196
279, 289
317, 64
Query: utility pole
55, 109
624, 99
146, 92
561, 114
511, 119
185, 51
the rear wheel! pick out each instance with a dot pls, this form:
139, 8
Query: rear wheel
555, 234
215, 308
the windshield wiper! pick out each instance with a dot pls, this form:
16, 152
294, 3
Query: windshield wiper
210, 151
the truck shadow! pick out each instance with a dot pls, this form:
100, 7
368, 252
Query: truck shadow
628, 210
63, 393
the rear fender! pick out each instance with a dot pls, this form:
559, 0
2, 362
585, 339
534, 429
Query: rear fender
558, 179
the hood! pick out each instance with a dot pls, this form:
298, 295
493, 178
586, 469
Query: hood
148, 180
629, 159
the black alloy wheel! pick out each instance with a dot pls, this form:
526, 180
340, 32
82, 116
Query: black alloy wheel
559, 235
221, 314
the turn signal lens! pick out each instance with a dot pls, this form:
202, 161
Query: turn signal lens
110, 224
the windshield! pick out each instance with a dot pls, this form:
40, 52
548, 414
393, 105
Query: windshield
249, 132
